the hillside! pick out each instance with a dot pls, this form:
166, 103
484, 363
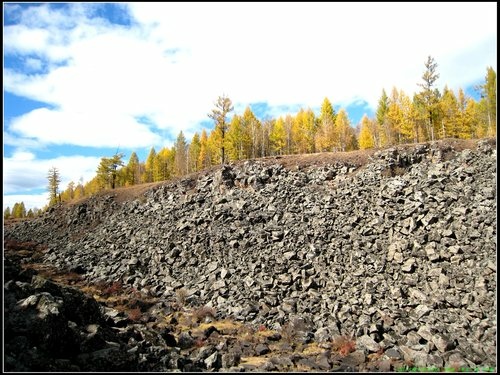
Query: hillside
341, 261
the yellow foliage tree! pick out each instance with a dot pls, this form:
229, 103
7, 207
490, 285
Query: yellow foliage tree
450, 112
365, 135
326, 137
346, 133
277, 136
194, 153
204, 158
408, 124
236, 139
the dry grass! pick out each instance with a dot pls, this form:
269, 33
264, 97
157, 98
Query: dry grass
204, 313
265, 333
313, 349
225, 326
254, 361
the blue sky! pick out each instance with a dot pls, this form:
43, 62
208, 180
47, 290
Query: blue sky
82, 80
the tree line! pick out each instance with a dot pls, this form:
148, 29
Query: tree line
429, 115
19, 211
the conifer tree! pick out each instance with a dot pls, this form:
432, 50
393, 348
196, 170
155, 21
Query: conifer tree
449, 108
236, 135
488, 102
204, 158
148, 167
326, 136
107, 172
343, 128
408, 125
251, 129
365, 136
133, 170
222, 107
382, 109
394, 118
19, 210
54, 180
181, 149
277, 137
194, 153
429, 95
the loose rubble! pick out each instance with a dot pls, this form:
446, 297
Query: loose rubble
399, 254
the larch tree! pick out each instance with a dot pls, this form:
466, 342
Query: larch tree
79, 191
304, 131
299, 141
310, 130
194, 153
408, 126
429, 95
93, 186
365, 135
235, 142
160, 171
181, 148
326, 135
223, 106
133, 170
473, 117
277, 137
148, 167
251, 128
54, 179
450, 120
289, 134
204, 159
266, 127
394, 118
489, 101
381, 114
68, 194
214, 148
6, 213
464, 119
107, 171
343, 128
19, 210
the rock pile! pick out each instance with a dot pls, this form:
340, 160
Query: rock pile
400, 253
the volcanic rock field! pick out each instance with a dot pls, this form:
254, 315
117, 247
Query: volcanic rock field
397, 255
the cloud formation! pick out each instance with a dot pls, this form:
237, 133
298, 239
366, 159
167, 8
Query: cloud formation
23, 174
174, 59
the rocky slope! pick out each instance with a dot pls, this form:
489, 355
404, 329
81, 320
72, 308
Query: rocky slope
399, 254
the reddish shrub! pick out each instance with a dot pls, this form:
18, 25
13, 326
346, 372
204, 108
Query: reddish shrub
135, 314
344, 345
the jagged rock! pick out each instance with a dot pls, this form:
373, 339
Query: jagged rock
367, 342
412, 234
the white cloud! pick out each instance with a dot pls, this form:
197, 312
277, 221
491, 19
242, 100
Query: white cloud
33, 64
24, 173
177, 58
20, 155
30, 201
82, 129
